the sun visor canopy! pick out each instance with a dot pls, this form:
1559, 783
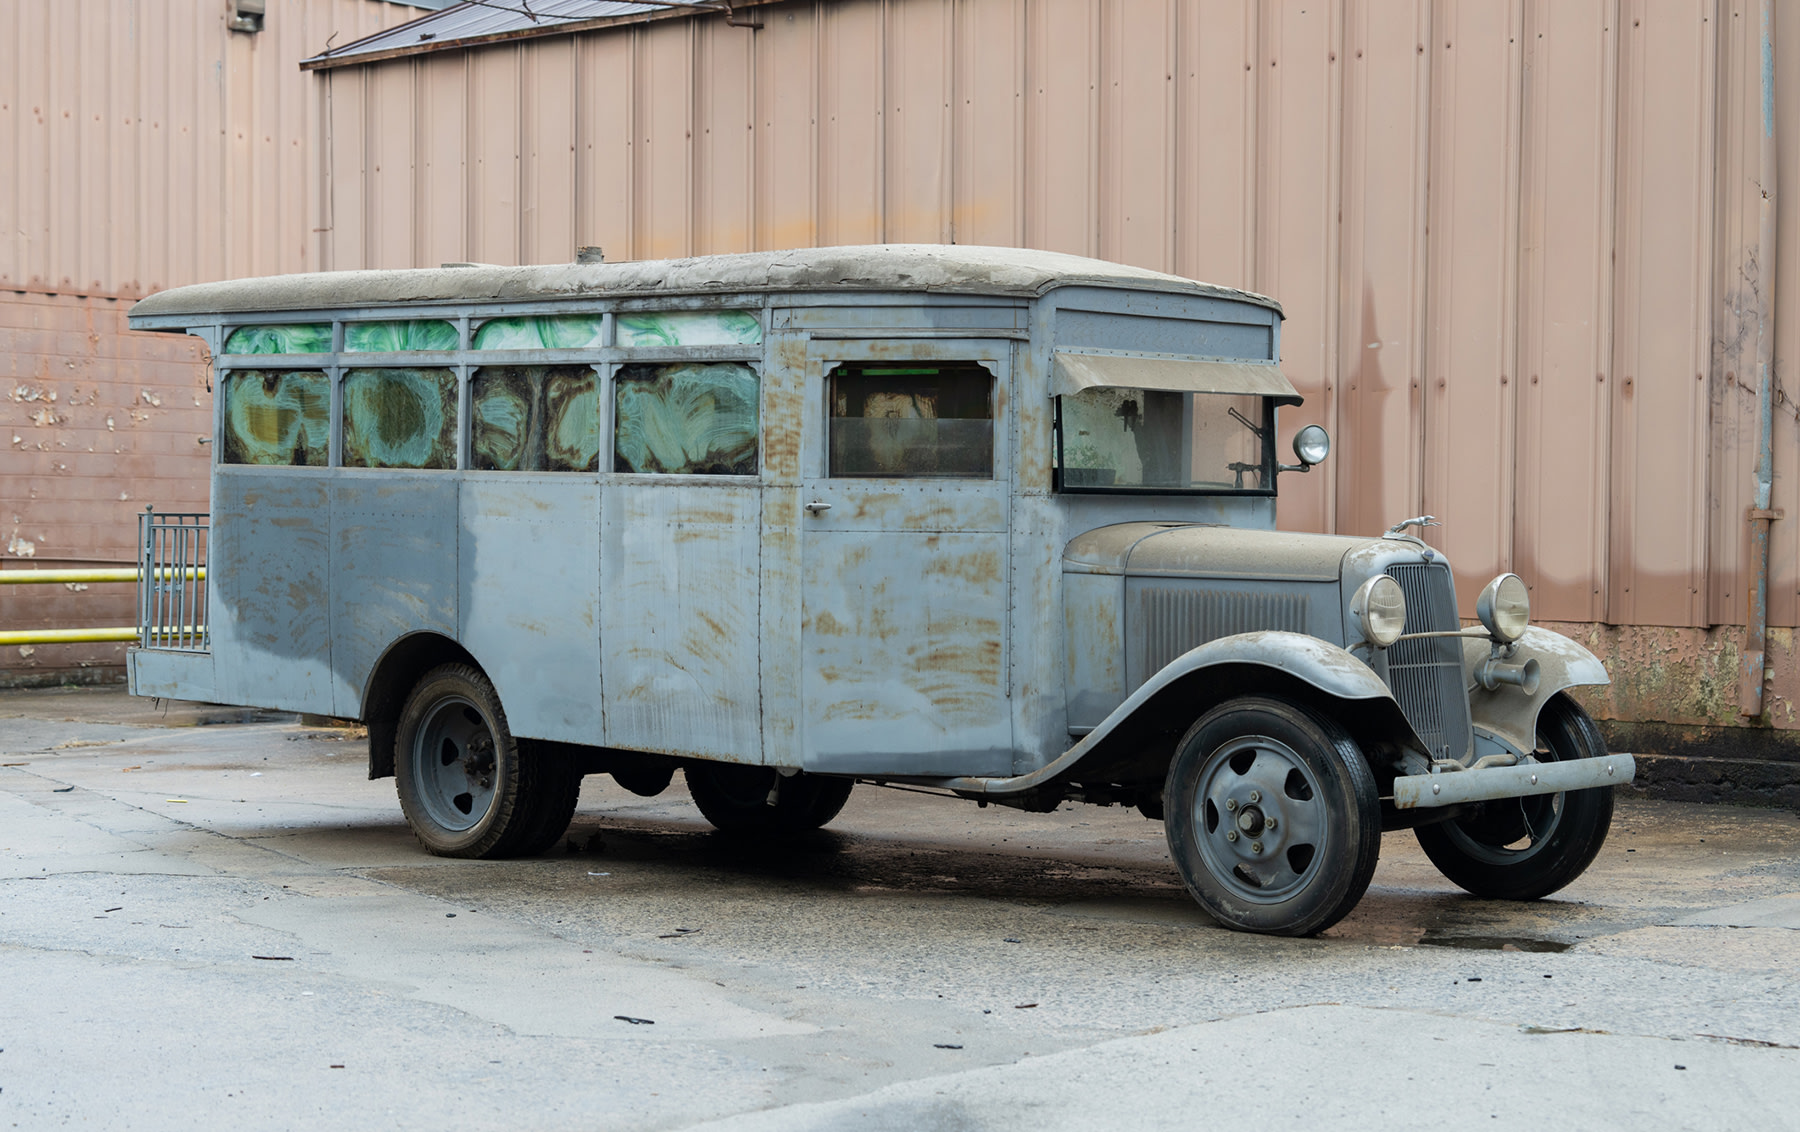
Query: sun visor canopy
1075, 372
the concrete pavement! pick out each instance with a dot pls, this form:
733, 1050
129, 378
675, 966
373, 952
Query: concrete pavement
208, 914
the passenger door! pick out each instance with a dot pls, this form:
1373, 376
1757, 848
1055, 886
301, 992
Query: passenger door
904, 548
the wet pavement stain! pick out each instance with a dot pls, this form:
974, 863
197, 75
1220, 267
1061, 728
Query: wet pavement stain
1494, 943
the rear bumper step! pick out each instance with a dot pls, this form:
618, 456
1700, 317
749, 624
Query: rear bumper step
1419, 791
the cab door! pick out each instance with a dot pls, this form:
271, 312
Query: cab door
904, 549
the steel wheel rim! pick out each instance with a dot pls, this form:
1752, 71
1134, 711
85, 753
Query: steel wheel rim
1261, 820
454, 764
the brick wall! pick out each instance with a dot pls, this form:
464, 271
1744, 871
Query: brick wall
96, 422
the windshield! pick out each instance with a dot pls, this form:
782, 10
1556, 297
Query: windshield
1113, 439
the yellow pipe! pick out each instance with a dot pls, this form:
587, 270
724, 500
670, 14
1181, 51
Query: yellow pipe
91, 636
116, 574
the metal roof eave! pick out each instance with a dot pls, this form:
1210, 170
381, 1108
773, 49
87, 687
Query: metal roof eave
663, 10
933, 268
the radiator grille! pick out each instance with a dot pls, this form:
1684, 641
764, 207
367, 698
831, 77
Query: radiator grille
1427, 675
1175, 620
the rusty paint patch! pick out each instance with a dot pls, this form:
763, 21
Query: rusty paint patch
1682, 675
978, 569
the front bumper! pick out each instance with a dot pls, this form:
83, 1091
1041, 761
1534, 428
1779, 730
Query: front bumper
1421, 791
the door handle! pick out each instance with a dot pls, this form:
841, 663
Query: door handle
815, 508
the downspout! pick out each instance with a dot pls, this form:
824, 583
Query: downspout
1753, 663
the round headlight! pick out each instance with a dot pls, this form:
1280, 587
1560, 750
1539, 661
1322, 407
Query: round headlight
1312, 444
1380, 609
1504, 608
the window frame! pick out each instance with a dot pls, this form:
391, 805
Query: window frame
604, 359
610, 445
1269, 467
829, 370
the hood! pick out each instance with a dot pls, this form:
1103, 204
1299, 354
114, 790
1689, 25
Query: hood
1191, 550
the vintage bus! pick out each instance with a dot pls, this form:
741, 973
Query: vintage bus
993, 522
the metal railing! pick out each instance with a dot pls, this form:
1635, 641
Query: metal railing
171, 580
82, 578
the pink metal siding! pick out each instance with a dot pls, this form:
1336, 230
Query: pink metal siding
1515, 239
1509, 234
148, 146
1493, 225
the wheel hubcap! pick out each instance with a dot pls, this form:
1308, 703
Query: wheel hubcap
455, 765
1261, 819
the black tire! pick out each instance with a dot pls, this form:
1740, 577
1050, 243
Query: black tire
735, 798
1258, 762
560, 790
645, 781
1527, 848
467, 787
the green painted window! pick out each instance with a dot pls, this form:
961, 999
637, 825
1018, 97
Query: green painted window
553, 332
689, 328
686, 419
276, 417
400, 418
311, 338
534, 419
932, 419
408, 334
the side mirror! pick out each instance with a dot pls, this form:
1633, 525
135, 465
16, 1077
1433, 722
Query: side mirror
1311, 445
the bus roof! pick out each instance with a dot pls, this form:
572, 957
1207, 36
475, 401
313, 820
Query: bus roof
937, 268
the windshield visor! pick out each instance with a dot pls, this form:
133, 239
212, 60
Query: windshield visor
1111, 439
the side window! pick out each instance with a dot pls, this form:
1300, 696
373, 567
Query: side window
308, 338
400, 418
403, 334
904, 421
686, 419
276, 418
534, 419
550, 332
688, 328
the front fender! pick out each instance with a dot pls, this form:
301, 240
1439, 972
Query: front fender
1507, 714
1321, 664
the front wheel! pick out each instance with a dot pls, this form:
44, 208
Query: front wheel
1273, 817
1526, 848
468, 788
758, 800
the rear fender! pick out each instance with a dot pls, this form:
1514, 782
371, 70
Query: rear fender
1507, 716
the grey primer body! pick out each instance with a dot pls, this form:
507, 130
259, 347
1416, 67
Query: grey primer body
991, 634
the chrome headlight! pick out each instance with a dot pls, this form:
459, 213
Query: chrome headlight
1504, 608
1380, 608
1311, 445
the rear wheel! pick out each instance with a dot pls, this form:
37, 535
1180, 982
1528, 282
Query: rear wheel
467, 787
1526, 848
1272, 817
759, 800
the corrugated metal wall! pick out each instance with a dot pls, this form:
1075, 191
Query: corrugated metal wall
149, 146
142, 146
1515, 238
